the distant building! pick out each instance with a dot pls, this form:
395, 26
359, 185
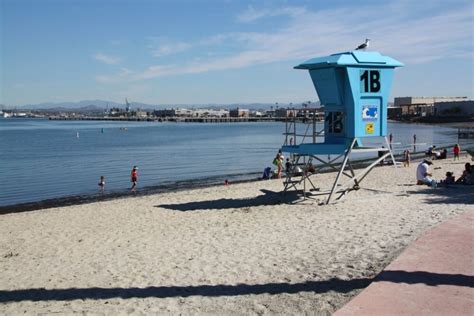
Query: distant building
269, 113
219, 113
141, 114
116, 112
454, 108
239, 112
191, 113
183, 112
285, 112
394, 113
173, 113
164, 113
256, 114
422, 106
210, 113
310, 112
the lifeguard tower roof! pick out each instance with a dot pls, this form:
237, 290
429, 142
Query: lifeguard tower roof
354, 58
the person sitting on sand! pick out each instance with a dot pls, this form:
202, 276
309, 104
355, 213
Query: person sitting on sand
267, 173
467, 176
423, 175
449, 178
443, 154
432, 153
380, 154
134, 178
288, 166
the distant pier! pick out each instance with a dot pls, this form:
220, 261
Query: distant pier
175, 119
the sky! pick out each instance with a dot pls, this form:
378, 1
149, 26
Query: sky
222, 52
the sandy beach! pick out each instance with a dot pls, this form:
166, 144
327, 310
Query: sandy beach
237, 249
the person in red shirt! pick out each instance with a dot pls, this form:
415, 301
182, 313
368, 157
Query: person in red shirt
456, 151
134, 178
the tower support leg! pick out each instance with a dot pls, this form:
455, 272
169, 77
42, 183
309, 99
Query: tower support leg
343, 166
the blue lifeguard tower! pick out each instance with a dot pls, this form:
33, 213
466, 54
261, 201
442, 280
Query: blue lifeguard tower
354, 88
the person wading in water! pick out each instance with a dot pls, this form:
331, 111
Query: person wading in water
134, 178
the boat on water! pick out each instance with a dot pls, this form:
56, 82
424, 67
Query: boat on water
6, 115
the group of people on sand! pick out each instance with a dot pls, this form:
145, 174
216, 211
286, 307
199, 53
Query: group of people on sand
425, 177
423, 174
436, 154
432, 153
279, 162
133, 179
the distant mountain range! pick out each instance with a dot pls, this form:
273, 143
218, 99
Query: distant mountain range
99, 104
93, 105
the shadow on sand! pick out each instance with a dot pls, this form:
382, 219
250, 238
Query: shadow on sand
334, 284
40, 294
451, 194
268, 198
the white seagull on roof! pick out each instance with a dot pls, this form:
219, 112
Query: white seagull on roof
365, 45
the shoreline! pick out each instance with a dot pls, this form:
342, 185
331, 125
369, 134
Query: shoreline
80, 199
179, 186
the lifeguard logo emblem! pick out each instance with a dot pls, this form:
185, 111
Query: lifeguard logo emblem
369, 128
369, 113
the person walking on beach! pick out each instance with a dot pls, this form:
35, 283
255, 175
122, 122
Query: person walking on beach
102, 184
456, 151
278, 162
406, 158
134, 178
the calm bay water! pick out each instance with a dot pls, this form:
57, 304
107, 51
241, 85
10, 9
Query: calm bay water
42, 159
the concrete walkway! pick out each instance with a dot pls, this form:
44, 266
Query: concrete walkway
433, 276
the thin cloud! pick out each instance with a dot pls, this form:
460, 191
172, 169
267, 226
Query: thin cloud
168, 49
160, 46
123, 75
107, 59
252, 14
405, 34
153, 72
